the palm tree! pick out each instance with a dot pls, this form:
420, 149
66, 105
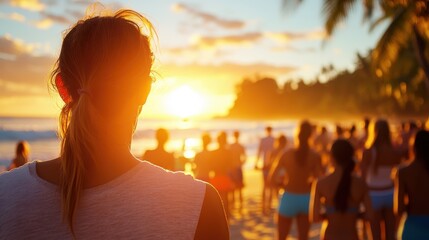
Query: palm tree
409, 21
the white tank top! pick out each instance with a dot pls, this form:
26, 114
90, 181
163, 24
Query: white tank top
147, 202
381, 179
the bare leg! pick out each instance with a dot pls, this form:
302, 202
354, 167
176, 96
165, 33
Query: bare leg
283, 228
270, 199
232, 199
389, 224
375, 226
303, 226
240, 193
263, 199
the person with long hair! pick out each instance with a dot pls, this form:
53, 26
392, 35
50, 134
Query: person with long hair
377, 164
96, 188
302, 166
341, 194
22, 153
411, 194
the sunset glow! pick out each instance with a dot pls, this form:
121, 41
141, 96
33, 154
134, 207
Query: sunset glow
184, 102
205, 49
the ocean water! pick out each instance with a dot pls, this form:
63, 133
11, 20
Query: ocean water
41, 134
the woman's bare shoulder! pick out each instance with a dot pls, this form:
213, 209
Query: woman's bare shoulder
49, 170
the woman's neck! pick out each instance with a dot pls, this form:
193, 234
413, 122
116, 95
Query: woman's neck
111, 158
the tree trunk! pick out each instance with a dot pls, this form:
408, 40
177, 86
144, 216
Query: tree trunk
421, 50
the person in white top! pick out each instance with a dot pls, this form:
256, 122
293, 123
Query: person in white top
96, 189
266, 146
377, 164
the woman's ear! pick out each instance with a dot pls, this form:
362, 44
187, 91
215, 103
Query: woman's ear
144, 92
62, 90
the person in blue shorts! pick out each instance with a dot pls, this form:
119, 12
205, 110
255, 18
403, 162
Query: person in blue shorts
412, 184
337, 198
302, 166
377, 164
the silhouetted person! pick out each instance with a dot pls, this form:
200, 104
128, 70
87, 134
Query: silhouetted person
222, 166
239, 158
280, 148
339, 131
341, 194
408, 132
353, 138
411, 192
365, 134
22, 154
322, 143
159, 156
377, 164
266, 146
302, 165
96, 188
203, 160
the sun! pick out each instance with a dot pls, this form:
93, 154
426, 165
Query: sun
184, 102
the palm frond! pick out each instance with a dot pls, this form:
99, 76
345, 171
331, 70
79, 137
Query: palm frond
335, 11
396, 35
378, 21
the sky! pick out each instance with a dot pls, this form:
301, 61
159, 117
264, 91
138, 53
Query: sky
205, 48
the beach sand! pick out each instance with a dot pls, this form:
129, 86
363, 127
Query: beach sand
250, 223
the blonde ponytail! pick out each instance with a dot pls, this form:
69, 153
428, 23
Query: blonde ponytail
76, 155
97, 50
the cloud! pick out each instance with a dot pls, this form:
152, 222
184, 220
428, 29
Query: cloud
44, 23
285, 37
292, 49
75, 13
21, 66
48, 20
221, 78
32, 5
13, 16
55, 18
11, 46
83, 2
208, 18
253, 37
216, 43
239, 39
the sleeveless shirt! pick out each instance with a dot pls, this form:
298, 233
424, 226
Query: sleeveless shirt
147, 202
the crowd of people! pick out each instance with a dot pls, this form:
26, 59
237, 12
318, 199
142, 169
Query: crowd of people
340, 179
222, 167
357, 182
